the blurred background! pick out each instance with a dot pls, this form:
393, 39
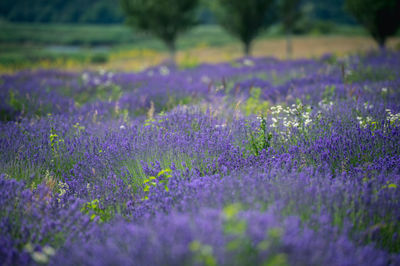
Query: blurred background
106, 34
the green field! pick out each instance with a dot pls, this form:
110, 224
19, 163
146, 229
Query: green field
95, 34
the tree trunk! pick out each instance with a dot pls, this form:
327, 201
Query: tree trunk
381, 41
172, 52
247, 49
381, 44
289, 48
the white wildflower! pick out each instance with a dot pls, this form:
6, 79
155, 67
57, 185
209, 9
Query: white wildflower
248, 62
307, 121
164, 71
368, 106
205, 79
325, 105
29, 247
39, 257
49, 251
85, 77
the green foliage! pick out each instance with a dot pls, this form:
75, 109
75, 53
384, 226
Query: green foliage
244, 250
93, 209
328, 10
368, 74
25, 170
329, 94
99, 58
203, 254
277, 260
14, 102
189, 62
319, 27
260, 140
174, 101
160, 180
79, 128
181, 161
254, 105
62, 34
289, 13
306, 24
163, 19
240, 245
271, 243
55, 141
103, 91
91, 11
243, 19
135, 172
380, 17
232, 225
103, 11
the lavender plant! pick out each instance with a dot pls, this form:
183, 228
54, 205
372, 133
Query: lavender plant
267, 162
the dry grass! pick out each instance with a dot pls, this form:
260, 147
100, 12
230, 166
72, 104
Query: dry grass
303, 47
317, 46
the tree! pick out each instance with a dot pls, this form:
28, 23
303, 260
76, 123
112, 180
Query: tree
331, 10
164, 19
289, 13
242, 18
380, 17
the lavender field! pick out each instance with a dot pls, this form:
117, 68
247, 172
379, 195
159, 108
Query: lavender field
252, 162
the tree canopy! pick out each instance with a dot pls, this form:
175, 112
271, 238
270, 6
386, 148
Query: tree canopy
380, 17
164, 19
243, 19
289, 11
